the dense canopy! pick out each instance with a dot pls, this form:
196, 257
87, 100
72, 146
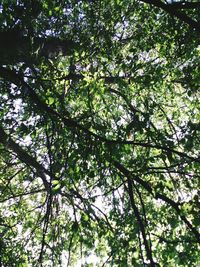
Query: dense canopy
99, 133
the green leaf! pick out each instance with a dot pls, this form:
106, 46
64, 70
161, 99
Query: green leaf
55, 182
51, 100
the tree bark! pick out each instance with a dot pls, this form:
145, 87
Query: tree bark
16, 47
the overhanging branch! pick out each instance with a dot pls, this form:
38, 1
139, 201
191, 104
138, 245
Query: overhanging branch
17, 47
24, 157
184, 5
11, 76
174, 12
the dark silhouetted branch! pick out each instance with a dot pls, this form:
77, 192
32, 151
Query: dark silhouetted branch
174, 12
24, 157
184, 5
157, 195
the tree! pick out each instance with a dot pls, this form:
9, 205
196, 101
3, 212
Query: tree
99, 133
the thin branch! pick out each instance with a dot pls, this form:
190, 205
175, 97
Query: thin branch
108, 259
22, 195
45, 228
129, 189
163, 239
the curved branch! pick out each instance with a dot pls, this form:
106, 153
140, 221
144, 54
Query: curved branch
24, 157
173, 12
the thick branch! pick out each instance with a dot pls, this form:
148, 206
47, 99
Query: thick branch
15, 47
174, 12
24, 157
184, 5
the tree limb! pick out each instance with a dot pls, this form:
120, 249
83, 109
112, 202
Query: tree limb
24, 157
17, 47
174, 12
184, 5
129, 189
156, 195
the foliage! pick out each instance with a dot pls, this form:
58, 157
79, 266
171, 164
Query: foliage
99, 133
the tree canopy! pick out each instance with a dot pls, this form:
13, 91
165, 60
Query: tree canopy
99, 133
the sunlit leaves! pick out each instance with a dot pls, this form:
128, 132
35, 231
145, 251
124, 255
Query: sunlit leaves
126, 92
